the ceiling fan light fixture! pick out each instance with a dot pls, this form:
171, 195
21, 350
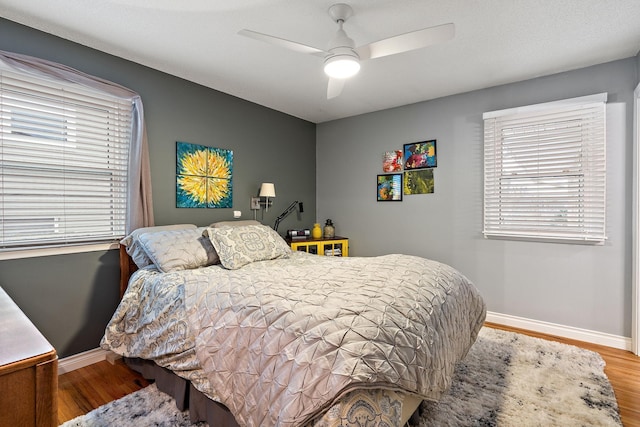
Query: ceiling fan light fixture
342, 57
341, 66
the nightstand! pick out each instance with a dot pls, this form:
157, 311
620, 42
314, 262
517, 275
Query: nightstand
28, 371
335, 246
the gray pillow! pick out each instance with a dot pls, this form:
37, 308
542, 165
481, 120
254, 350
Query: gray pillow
179, 249
239, 246
135, 250
236, 223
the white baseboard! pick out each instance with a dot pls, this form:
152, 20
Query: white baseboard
90, 357
80, 360
601, 338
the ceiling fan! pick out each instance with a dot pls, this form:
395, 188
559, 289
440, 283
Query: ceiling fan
342, 58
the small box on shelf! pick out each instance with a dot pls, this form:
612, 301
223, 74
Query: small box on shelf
298, 234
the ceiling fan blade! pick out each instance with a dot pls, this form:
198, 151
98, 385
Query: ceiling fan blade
287, 44
334, 88
406, 42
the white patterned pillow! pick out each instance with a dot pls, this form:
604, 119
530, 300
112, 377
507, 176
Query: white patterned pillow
135, 250
239, 246
179, 249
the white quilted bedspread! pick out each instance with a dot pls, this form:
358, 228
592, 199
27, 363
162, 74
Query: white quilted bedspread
280, 341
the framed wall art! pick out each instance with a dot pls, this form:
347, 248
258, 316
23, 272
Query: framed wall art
389, 187
392, 161
418, 181
203, 176
420, 155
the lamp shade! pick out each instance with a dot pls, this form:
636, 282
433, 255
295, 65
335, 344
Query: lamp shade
267, 189
341, 66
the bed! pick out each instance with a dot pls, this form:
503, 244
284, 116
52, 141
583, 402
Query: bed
244, 331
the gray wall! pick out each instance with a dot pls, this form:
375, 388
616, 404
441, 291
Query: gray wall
70, 298
575, 285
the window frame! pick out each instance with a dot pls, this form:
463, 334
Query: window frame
568, 203
56, 86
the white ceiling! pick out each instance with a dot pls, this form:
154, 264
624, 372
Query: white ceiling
496, 42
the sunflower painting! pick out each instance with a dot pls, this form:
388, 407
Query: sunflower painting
203, 176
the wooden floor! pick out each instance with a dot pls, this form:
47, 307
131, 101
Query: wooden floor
85, 389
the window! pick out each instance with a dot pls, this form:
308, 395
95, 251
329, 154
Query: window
544, 171
64, 153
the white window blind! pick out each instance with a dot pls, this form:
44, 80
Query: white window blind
63, 163
544, 171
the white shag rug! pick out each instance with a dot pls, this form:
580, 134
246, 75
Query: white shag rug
507, 379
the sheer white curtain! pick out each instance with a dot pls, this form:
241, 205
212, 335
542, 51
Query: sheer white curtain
139, 202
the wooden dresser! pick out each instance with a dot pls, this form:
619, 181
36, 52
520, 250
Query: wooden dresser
28, 371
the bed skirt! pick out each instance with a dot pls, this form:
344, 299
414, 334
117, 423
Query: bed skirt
200, 407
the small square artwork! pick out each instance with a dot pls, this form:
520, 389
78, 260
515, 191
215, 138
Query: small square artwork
203, 176
392, 161
418, 182
389, 187
420, 155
